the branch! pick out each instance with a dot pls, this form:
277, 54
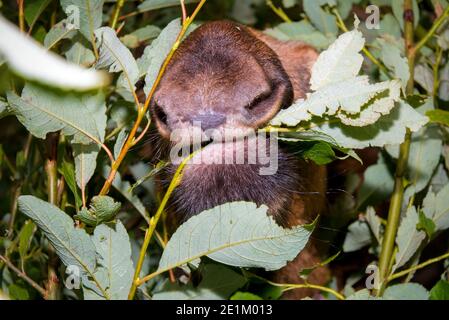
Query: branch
22, 275
394, 212
153, 223
130, 141
418, 266
116, 13
436, 25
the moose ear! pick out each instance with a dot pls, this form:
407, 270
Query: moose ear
296, 57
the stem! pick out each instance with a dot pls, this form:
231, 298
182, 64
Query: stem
341, 24
130, 141
436, 25
116, 13
436, 71
281, 13
184, 11
22, 275
51, 168
418, 266
153, 223
21, 15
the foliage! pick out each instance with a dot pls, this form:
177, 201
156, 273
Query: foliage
76, 193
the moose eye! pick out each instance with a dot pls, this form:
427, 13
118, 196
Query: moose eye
160, 114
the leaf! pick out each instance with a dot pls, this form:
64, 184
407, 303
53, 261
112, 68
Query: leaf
426, 224
245, 296
67, 170
90, 14
237, 234
4, 110
391, 57
374, 223
115, 56
149, 5
86, 155
120, 142
33, 10
135, 38
218, 283
61, 30
324, 21
17, 292
406, 291
154, 55
73, 246
389, 129
301, 31
42, 111
102, 209
124, 187
79, 54
438, 116
321, 153
304, 273
114, 250
341, 61
25, 238
344, 100
358, 236
408, 238
30, 60
440, 291
437, 208
424, 76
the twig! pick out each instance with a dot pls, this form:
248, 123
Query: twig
436, 25
184, 11
21, 15
22, 275
130, 141
116, 13
436, 71
153, 223
418, 266
279, 11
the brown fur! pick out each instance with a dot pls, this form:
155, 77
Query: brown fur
228, 75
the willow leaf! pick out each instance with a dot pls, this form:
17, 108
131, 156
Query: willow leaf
238, 234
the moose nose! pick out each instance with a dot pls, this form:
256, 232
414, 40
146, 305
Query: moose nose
208, 120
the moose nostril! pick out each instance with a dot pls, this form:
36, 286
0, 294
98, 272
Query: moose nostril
208, 120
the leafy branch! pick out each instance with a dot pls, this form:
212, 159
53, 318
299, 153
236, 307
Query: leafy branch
394, 213
142, 110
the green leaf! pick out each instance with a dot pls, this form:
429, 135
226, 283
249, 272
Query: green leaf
116, 57
120, 142
324, 21
114, 249
321, 153
79, 54
124, 187
439, 116
32, 61
61, 30
149, 5
155, 54
102, 209
245, 296
391, 57
67, 170
135, 38
424, 77
238, 234
358, 236
25, 238
301, 31
90, 15
16, 292
408, 239
304, 273
426, 224
440, 291
42, 111
218, 282
73, 246
436, 207
33, 10
406, 291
